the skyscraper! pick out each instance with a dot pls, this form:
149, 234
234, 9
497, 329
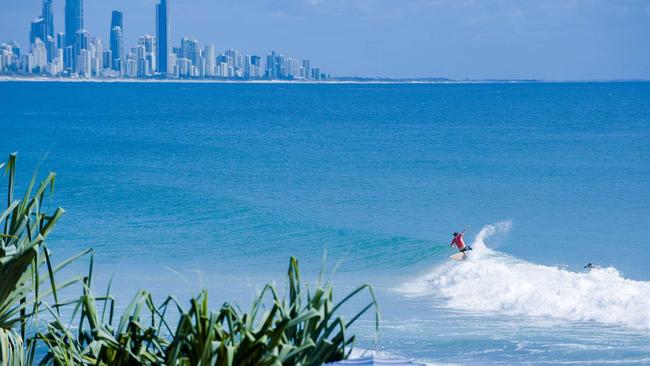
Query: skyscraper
149, 44
162, 36
97, 50
50, 45
48, 29
256, 66
117, 48
117, 40
37, 30
190, 50
48, 18
60, 40
117, 19
210, 60
107, 59
39, 57
74, 20
81, 41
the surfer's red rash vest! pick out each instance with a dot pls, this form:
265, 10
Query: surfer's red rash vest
458, 241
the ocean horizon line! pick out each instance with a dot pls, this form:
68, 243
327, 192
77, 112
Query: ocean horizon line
336, 80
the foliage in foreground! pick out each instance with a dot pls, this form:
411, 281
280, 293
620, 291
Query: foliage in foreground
23, 253
94, 340
302, 327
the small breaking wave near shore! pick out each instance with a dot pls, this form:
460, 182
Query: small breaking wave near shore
491, 281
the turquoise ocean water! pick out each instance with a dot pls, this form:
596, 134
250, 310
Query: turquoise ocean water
180, 187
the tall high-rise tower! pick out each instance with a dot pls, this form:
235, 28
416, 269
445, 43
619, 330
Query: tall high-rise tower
117, 18
149, 44
74, 20
48, 18
37, 30
162, 36
117, 40
48, 29
117, 48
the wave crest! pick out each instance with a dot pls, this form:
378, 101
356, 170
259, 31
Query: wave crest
493, 281
487, 231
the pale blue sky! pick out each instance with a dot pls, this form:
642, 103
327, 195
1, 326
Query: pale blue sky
544, 39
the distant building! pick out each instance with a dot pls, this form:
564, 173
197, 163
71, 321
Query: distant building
48, 19
96, 49
131, 65
236, 63
9, 57
60, 40
256, 67
248, 66
38, 57
107, 60
280, 67
15, 48
81, 41
117, 19
271, 68
43, 28
210, 60
141, 66
117, 40
37, 30
74, 20
81, 59
148, 44
55, 67
68, 57
162, 35
50, 45
190, 49
117, 48
315, 73
73, 24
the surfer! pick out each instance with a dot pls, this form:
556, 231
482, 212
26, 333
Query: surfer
459, 243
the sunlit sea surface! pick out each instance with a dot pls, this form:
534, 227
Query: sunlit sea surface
180, 187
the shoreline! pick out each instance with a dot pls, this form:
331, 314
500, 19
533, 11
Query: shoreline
261, 81
335, 81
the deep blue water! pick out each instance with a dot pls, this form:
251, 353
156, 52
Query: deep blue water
184, 186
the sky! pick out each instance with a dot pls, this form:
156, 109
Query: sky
459, 39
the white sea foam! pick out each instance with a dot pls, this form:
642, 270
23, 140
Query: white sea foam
358, 353
495, 282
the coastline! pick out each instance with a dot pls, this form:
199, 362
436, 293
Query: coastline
5, 78
213, 81
217, 81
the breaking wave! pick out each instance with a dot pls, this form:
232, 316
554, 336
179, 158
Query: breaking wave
495, 282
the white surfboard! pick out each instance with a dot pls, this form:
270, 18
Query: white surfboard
458, 257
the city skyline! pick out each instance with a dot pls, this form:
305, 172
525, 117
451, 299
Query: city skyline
77, 53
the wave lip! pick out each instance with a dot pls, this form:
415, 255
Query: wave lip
495, 282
